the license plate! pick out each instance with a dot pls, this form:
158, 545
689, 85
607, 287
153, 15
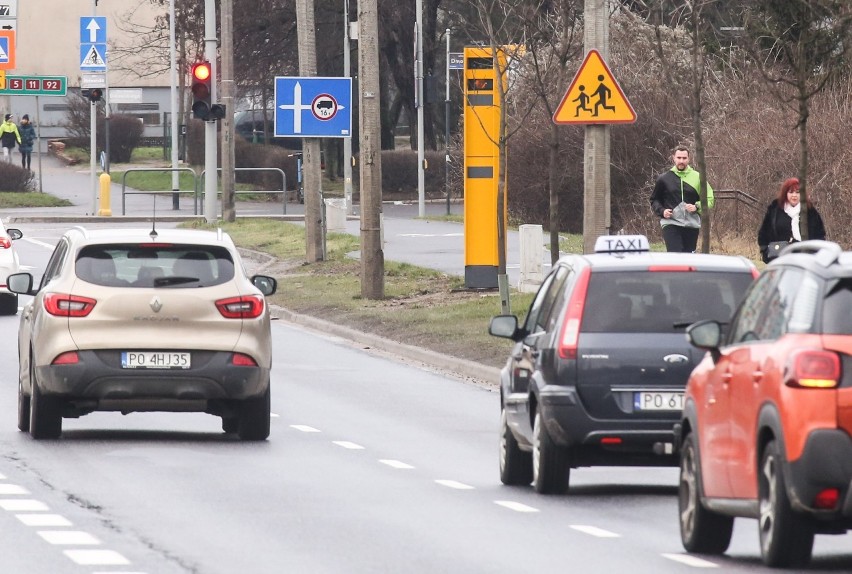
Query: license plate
154, 360
657, 401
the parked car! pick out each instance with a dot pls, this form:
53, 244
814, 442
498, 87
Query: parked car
597, 372
767, 419
144, 320
9, 264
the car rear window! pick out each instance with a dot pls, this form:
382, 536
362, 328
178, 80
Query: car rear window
836, 319
155, 265
660, 301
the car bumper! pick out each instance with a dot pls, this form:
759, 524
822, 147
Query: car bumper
826, 462
633, 441
99, 379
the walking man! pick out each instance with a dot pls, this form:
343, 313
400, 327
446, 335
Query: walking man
675, 200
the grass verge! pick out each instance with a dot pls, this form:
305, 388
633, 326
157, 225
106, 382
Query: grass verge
12, 199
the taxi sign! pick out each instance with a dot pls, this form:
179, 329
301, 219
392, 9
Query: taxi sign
622, 244
594, 97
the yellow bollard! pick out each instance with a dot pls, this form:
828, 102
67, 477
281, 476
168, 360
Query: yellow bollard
104, 199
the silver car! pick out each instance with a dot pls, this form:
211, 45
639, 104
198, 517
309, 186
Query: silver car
9, 264
141, 320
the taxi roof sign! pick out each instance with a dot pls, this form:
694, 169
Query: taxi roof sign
622, 244
594, 97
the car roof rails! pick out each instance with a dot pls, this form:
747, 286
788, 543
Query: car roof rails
825, 252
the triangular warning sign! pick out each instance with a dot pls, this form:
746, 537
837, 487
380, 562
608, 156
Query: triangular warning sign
594, 97
92, 58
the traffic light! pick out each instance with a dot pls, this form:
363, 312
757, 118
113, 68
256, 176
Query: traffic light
95, 94
201, 90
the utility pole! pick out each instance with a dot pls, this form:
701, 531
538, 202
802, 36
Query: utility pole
173, 100
596, 149
311, 166
93, 138
228, 210
447, 126
418, 91
211, 181
372, 255
347, 142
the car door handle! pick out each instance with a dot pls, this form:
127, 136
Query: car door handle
727, 377
757, 376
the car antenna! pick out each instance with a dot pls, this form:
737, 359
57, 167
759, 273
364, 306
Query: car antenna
153, 234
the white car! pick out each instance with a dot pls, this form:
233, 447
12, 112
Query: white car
8, 265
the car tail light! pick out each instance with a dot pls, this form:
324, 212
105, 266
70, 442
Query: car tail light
611, 440
827, 499
241, 360
573, 316
63, 305
69, 358
813, 369
5, 243
247, 307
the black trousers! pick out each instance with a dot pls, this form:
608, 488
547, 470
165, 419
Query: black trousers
678, 238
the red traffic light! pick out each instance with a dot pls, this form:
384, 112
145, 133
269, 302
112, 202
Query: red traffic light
201, 71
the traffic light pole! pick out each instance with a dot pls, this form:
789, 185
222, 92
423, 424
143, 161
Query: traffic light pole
211, 181
93, 140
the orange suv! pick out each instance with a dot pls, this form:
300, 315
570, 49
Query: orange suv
767, 416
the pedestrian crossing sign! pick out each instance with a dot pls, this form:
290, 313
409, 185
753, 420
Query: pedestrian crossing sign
594, 97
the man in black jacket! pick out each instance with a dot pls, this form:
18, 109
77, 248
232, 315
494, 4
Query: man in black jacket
675, 200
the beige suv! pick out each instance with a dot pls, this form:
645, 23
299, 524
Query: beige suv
143, 320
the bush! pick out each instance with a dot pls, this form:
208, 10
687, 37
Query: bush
399, 172
124, 136
14, 178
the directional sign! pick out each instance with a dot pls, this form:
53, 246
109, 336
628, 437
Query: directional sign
8, 9
92, 29
8, 24
35, 86
594, 97
7, 49
456, 61
93, 57
313, 107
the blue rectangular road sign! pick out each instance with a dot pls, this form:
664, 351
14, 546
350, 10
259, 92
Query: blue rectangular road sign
313, 107
93, 30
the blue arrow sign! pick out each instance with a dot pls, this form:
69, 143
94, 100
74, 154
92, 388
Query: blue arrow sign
93, 30
93, 57
313, 107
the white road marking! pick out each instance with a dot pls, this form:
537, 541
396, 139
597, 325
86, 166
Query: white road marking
305, 428
595, 531
274, 415
349, 445
693, 561
43, 519
516, 506
24, 505
12, 489
97, 558
454, 484
396, 464
39, 243
67, 537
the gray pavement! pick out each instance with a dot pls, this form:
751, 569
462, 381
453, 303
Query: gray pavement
433, 244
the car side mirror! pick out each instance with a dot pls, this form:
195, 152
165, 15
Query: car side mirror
706, 335
504, 326
14, 233
20, 283
267, 285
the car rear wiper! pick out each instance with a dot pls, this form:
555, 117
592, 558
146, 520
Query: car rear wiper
168, 281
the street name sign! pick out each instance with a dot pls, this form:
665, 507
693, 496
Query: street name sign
35, 86
313, 107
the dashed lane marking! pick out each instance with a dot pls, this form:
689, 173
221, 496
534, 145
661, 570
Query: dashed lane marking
43, 519
304, 428
595, 531
12, 489
23, 505
693, 561
349, 445
516, 506
454, 484
396, 464
97, 558
68, 537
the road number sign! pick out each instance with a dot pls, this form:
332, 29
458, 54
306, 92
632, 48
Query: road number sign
35, 86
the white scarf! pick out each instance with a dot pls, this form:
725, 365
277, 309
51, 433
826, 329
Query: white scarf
793, 211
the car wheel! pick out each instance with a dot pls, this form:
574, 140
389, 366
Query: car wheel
786, 538
9, 304
550, 462
515, 464
24, 404
230, 424
701, 531
45, 414
254, 418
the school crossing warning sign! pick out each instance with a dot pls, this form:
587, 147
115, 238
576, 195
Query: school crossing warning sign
594, 97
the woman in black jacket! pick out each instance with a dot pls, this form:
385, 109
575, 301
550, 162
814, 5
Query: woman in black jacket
781, 222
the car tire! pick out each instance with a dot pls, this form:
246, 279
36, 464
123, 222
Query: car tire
551, 472
786, 537
230, 424
515, 465
45, 414
701, 530
254, 418
24, 405
9, 304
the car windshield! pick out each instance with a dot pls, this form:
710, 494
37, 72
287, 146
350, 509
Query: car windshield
155, 265
660, 301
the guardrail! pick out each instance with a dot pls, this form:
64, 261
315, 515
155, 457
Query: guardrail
124, 191
282, 191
